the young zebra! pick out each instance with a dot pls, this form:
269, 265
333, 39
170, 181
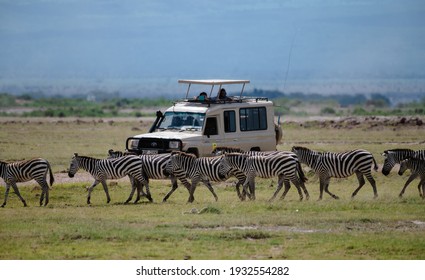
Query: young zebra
223, 150
395, 156
203, 169
339, 165
267, 165
23, 171
154, 167
103, 169
417, 166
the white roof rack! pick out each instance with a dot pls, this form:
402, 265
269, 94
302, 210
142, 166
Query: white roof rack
212, 83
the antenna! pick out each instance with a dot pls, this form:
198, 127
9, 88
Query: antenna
289, 58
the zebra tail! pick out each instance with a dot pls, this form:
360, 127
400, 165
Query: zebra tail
301, 173
52, 179
376, 165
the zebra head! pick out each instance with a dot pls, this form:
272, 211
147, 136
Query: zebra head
114, 154
404, 165
392, 157
305, 155
74, 166
232, 161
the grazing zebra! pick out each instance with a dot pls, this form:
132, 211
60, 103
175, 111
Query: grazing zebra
417, 166
103, 169
223, 150
339, 165
395, 156
154, 167
23, 171
203, 169
267, 165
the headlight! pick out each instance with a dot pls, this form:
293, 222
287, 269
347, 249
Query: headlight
134, 143
174, 144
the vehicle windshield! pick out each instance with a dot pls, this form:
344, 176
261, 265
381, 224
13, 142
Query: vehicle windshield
182, 121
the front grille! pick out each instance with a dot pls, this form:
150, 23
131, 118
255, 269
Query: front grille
153, 143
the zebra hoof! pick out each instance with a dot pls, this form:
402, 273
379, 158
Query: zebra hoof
2, 206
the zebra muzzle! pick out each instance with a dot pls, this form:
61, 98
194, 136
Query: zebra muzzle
70, 175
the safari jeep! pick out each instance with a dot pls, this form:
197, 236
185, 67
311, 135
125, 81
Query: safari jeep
200, 122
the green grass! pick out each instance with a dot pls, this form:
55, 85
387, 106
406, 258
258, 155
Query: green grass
360, 228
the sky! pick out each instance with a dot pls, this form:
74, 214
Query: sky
143, 47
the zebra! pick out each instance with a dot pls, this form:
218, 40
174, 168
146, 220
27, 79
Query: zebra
223, 150
417, 166
203, 169
154, 167
23, 171
339, 165
103, 169
267, 165
395, 156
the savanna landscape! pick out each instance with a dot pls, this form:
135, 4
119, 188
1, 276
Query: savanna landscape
387, 228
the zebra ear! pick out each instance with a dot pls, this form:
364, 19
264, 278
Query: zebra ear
76, 154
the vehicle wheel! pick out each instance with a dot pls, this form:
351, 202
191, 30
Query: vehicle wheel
193, 151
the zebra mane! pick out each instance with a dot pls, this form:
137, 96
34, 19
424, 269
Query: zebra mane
113, 153
85, 157
235, 154
183, 154
398, 150
300, 148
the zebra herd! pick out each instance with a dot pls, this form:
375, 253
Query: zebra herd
226, 162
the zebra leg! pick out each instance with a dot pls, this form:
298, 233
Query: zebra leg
307, 195
44, 191
90, 189
419, 187
279, 186
251, 185
208, 185
174, 187
361, 180
322, 183
134, 186
297, 184
373, 184
411, 178
326, 187
192, 191
15, 189
423, 189
148, 192
238, 191
105, 188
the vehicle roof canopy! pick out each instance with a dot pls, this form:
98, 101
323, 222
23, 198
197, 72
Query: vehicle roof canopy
213, 83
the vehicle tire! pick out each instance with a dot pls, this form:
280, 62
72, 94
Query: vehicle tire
193, 151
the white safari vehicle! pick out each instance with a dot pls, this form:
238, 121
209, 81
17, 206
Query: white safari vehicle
200, 122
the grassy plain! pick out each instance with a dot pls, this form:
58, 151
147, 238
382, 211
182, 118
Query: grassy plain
362, 228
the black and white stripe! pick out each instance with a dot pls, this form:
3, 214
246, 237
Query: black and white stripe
339, 165
283, 165
23, 171
224, 150
155, 167
104, 169
395, 156
417, 167
204, 169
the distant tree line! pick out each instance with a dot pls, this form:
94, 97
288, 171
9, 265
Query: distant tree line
343, 100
